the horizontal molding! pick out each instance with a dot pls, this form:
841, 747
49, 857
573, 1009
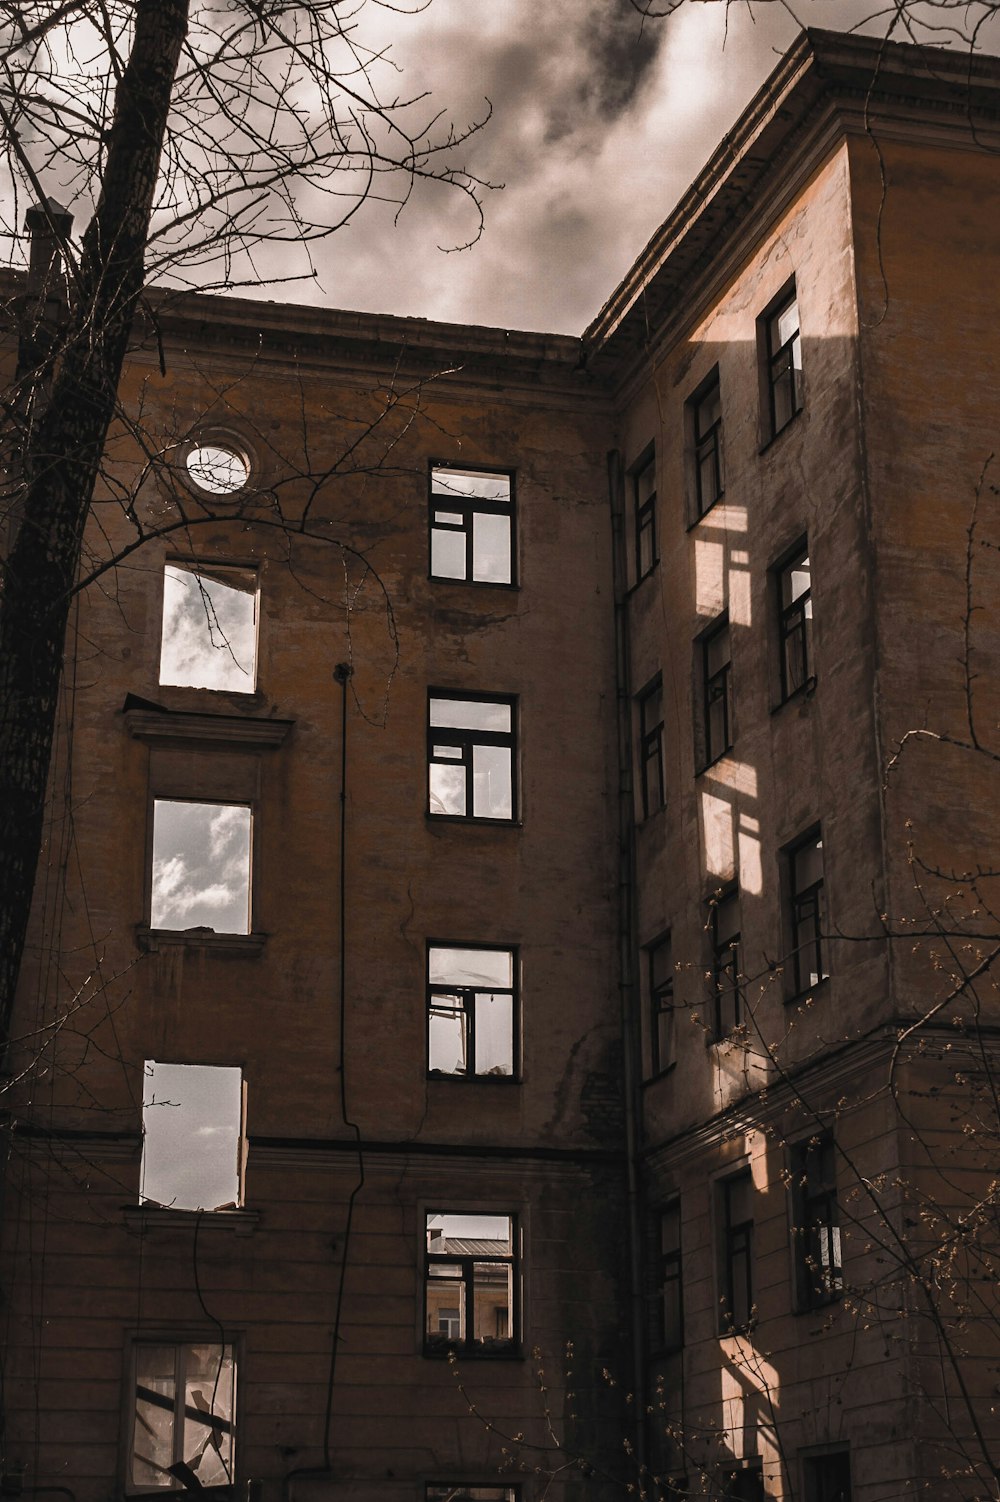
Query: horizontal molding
229, 730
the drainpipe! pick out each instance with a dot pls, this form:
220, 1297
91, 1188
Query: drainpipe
628, 948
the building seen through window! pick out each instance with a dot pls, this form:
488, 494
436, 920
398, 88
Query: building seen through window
470, 1284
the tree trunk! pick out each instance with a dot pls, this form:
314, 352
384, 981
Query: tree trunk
59, 461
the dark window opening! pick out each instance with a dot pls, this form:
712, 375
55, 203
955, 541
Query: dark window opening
808, 912
783, 347
470, 1284
818, 1258
651, 749
661, 1005
717, 692
795, 623
737, 1252
644, 482
706, 427
827, 1478
471, 1011
671, 1301
470, 753
743, 1484
472, 525
726, 970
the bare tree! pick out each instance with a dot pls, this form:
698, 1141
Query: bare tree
192, 137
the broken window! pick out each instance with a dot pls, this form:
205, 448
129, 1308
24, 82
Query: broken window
727, 978
470, 1284
827, 1478
470, 1011
201, 866
808, 912
470, 750
462, 1491
472, 525
644, 489
717, 692
671, 1302
661, 1005
184, 1422
816, 1222
192, 1136
705, 428
783, 361
209, 634
737, 1251
651, 748
795, 623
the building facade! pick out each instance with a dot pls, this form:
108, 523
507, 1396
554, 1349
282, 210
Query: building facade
509, 1010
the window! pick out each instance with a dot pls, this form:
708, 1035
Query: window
795, 623
471, 1012
470, 1284
209, 632
827, 1478
461, 1491
660, 957
644, 483
192, 1136
201, 866
744, 1484
670, 1334
737, 1252
183, 1427
818, 1263
651, 748
717, 692
470, 749
472, 525
808, 912
726, 970
705, 427
783, 361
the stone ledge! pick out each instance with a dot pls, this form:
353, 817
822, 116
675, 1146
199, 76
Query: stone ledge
151, 1217
183, 725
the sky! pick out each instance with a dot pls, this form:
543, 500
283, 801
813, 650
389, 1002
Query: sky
600, 120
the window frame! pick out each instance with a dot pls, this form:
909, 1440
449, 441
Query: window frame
816, 1208
736, 1240
644, 514
506, 1347
715, 687
794, 622
705, 445
514, 1078
467, 740
469, 508
770, 358
669, 1274
660, 1003
729, 967
651, 747
180, 1339
800, 899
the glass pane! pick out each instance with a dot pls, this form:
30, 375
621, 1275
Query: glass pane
795, 581
739, 1193
447, 789
717, 652
201, 866
209, 1392
661, 965
448, 554
191, 1122
472, 483
492, 1284
491, 549
494, 1034
470, 967
807, 865
727, 921
453, 518
709, 410
784, 325
471, 714
492, 790
652, 710
153, 1431
209, 635
645, 483
448, 1043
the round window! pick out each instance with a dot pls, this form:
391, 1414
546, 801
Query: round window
218, 467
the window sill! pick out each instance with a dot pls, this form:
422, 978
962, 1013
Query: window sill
473, 1079
661, 1074
807, 993
707, 512
805, 692
481, 823
156, 724
161, 1217
820, 1306
510, 585
708, 765
152, 940
633, 589
772, 439
502, 1350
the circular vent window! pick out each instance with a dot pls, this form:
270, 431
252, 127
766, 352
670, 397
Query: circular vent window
218, 467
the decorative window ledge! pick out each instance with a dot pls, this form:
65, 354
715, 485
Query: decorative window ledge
152, 940
155, 724
150, 1217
